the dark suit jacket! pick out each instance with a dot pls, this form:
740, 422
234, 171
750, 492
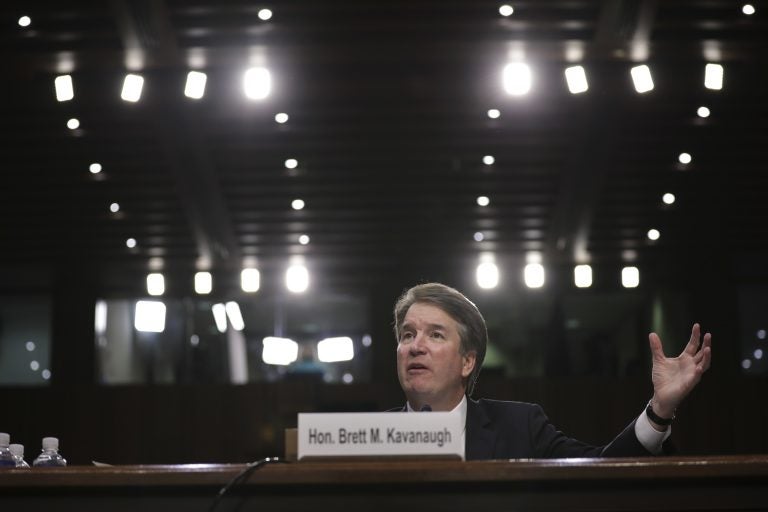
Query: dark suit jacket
516, 430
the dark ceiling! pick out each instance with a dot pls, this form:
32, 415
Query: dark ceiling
388, 106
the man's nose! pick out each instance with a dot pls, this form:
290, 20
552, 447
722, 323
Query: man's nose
419, 344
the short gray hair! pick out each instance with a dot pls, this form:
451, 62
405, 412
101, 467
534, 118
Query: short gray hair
472, 329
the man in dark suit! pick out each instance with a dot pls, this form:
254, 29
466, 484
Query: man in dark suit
442, 340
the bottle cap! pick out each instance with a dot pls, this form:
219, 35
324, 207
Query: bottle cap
4, 439
50, 443
17, 450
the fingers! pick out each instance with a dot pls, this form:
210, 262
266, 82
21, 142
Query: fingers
706, 359
657, 351
693, 343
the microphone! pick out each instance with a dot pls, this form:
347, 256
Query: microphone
426, 408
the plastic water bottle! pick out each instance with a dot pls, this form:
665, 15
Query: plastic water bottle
6, 457
18, 455
50, 456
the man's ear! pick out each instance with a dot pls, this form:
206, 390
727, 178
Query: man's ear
468, 362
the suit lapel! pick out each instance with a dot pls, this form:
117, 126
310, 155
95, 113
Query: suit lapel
480, 437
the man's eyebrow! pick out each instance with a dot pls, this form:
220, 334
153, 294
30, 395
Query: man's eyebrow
439, 327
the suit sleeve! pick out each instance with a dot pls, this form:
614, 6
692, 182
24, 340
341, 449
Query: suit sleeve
548, 442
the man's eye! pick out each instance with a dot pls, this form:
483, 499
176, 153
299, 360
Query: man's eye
406, 336
438, 335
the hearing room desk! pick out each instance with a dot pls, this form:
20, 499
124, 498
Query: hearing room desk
653, 484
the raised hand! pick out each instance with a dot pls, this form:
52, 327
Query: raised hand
675, 377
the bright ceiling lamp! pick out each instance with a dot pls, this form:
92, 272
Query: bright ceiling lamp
155, 284
582, 276
257, 83
149, 316
100, 318
517, 78
333, 350
533, 275
576, 78
641, 78
487, 275
65, 91
220, 317
297, 279
195, 86
250, 280
713, 77
234, 315
132, 86
630, 277
203, 283
280, 351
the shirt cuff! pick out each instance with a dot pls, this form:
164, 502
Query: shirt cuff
649, 437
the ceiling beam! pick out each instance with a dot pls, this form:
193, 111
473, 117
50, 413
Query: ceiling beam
624, 25
149, 40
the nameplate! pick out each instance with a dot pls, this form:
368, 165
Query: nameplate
410, 434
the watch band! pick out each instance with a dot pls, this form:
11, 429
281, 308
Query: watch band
656, 418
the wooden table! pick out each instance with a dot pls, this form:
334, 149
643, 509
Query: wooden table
657, 484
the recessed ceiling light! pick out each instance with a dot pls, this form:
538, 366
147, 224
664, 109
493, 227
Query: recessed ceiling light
95, 168
265, 14
747, 9
641, 78
281, 117
517, 78
713, 77
114, 207
25, 21
64, 89
257, 83
576, 78
668, 198
132, 86
487, 275
685, 158
483, 201
291, 163
195, 86
506, 10
73, 124
297, 204
702, 112
130, 243
488, 160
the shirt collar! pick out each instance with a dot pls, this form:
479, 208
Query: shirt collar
461, 408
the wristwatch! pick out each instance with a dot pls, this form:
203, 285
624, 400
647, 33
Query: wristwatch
656, 418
